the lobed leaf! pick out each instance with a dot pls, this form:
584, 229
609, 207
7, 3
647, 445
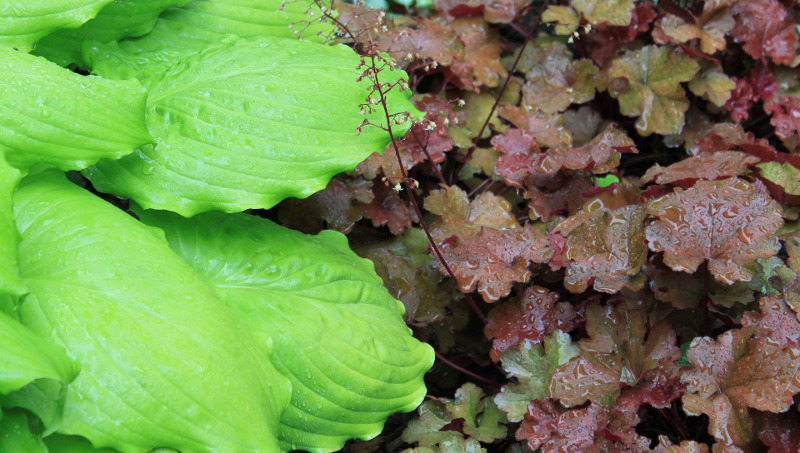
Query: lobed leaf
707, 166
766, 29
50, 116
253, 117
164, 362
654, 94
533, 367
337, 334
729, 223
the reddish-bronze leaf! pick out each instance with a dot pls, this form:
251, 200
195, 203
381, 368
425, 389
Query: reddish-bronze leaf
776, 321
387, 208
480, 64
605, 249
433, 40
482, 242
338, 207
785, 116
781, 432
708, 166
559, 194
531, 315
758, 85
493, 260
496, 12
554, 430
548, 130
737, 372
766, 29
728, 223
600, 155
519, 155
618, 352
420, 142
605, 40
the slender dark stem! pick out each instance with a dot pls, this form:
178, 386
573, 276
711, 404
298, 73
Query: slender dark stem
466, 371
499, 96
409, 189
646, 311
679, 424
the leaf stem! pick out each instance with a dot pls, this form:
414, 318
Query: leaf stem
494, 384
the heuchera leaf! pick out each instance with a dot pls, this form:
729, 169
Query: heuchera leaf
24, 23
10, 282
477, 416
481, 63
482, 242
654, 94
189, 29
757, 85
252, 117
766, 29
600, 155
556, 430
785, 116
164, 362
528, 317
713, 85
497, 12
519, 154
54, 117
710, 27
337, 333
617, 353
737, 372
615, 12
338, 207
728, 223
708, 166
776, 321
604, 248
533, 367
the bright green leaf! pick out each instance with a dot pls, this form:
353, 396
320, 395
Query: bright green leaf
54, 117
24, 22
248, 124
338, 334
533, 367
183, 31
33, 372
654, 93
120, 19
164, 362
57, 443
606, 180
10, 282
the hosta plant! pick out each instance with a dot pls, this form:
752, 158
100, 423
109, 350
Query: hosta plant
186, 324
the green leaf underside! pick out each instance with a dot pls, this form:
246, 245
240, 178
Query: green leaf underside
182, 31
10, 283
120, 19
247, 124
338, 334
164, 362
27, 358
53, 117
16, 436
22, 23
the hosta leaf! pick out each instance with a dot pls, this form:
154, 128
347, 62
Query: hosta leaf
654, 93
164, 362
182, 31
533, 367
10, 282
23, 23
16, 436
34, 368
728, 223
119, 19
258, 119
54, 117
338, 334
